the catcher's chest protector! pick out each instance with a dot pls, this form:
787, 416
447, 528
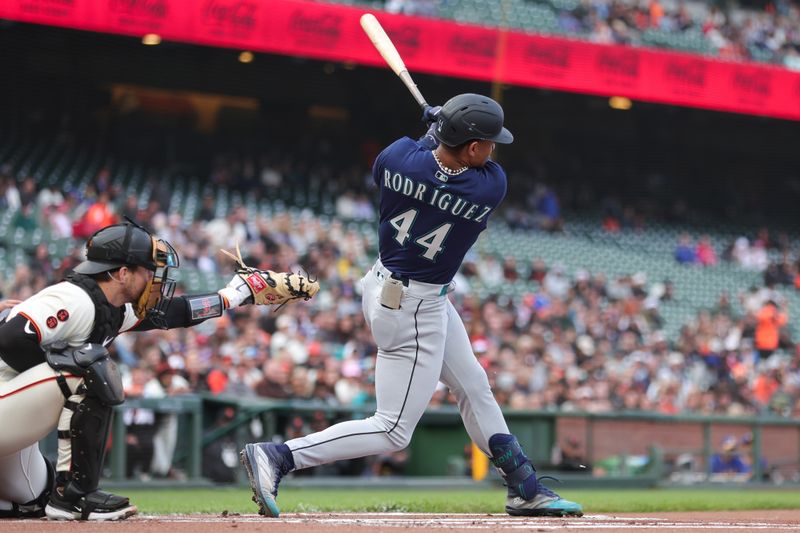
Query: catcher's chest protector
108, 318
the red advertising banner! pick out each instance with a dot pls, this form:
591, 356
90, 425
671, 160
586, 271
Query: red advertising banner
332, 31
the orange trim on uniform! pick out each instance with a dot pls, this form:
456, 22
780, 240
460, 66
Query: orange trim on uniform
29, 385
35, 325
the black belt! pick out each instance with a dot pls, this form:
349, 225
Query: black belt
402, 279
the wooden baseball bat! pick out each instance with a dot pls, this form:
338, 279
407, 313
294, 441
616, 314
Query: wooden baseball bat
386, 47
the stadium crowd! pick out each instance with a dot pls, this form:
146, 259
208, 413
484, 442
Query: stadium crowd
579, 342
771, 34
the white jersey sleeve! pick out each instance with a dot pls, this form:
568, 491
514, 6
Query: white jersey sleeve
61, 312
129, 321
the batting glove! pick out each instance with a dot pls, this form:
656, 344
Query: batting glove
429, 113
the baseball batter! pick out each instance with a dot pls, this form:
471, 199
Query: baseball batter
55, 370
436, 196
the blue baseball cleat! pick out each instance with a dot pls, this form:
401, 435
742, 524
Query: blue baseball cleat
266, 464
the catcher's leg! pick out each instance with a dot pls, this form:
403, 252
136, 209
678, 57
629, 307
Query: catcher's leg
26, 479
83, 431
30, 404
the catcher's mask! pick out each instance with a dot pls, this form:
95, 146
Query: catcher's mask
129, 244
157, 294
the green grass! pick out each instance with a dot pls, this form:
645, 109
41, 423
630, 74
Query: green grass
292, 500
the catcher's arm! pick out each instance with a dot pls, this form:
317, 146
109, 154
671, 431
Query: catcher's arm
264, 287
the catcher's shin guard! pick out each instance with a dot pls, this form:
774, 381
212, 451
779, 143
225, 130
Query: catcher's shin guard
76, 496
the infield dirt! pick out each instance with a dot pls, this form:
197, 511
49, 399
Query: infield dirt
390, 522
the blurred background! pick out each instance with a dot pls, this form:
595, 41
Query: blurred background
634, 302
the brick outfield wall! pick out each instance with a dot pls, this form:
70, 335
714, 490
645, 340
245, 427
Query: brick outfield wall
780, 444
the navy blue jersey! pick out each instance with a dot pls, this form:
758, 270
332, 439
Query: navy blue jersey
429, 219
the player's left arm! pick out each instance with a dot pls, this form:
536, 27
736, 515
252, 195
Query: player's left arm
182, 312
429, 117
248, 286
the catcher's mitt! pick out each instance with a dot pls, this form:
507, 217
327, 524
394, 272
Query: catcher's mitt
273, 288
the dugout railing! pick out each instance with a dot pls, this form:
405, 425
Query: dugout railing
440, 439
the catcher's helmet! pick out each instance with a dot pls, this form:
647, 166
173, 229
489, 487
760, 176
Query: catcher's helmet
131, 245
116, 246
467, 117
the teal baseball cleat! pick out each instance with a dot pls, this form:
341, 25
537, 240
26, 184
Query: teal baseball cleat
266, 464
545, 503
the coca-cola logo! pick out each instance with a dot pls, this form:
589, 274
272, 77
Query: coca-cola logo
752, 82
239, 14
140, 8
480, 47
45, 3
548, 54
619, 63
687, 72
405, 37
325, 24
55, 8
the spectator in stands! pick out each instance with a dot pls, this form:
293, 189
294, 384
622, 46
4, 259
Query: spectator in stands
28, 192
9, 194
766, 384
41, 265
130, 208
538, 270
99, 215
684, 251
510, 272
547, 209
490, 271
25, 218
412, 7
771, 318
705, 253
58, 218
49, 197
276, 380
556, 282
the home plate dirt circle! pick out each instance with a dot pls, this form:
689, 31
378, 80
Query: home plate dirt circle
389, 522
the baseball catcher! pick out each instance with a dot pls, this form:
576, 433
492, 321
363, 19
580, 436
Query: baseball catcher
55, 370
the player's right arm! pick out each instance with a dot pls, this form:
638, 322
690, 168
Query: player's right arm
62, 312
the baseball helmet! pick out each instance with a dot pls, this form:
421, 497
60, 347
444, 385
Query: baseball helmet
129, 244
468, 117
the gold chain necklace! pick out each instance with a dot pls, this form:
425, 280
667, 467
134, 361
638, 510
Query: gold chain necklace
447, 169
